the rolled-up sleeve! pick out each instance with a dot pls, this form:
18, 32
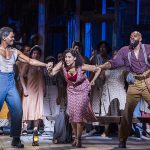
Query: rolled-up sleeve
118, 59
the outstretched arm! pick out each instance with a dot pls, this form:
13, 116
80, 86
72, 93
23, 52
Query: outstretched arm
92, 68
105, 66
33, 62
96, 69
55, 70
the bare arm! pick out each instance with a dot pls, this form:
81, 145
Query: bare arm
105, 66
95, 76
33, 62
21, 74
55, 70
92, 68
100, 73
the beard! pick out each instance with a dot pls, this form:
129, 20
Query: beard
133, 44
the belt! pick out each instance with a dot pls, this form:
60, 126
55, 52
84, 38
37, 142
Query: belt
143, 77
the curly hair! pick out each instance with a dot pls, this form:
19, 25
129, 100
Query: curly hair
74, 53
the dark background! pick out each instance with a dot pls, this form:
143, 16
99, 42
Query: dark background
22, 16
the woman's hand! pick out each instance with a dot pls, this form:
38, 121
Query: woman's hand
92, 82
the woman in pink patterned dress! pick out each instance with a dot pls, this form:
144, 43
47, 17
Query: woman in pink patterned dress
78, 89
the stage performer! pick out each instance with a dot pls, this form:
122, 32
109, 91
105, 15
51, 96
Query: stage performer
78, 90
8, 91
135, 58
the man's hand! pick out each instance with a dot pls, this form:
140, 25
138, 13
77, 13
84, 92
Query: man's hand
49, 66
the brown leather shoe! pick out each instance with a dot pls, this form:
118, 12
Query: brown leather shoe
122, 144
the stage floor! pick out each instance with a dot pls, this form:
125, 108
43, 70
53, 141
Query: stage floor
89, 143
